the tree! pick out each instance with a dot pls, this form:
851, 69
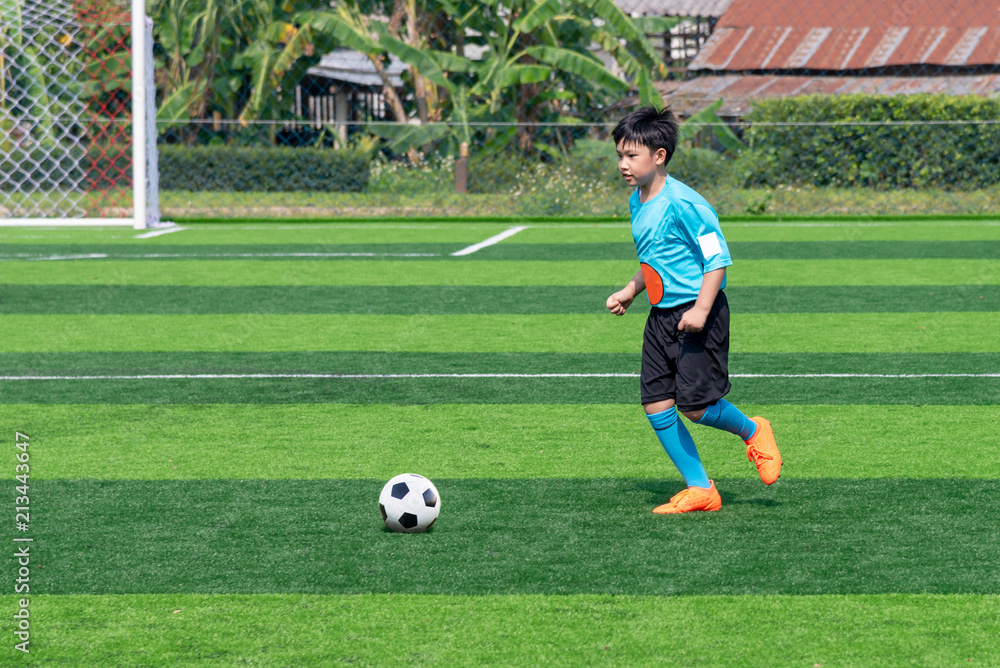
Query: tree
536, 64
235, 57
535, 59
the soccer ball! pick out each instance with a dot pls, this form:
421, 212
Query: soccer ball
409, 503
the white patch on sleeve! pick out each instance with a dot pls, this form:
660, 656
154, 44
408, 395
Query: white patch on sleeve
709, 245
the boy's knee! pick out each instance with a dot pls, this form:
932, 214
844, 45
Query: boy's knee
658, 406
694, 416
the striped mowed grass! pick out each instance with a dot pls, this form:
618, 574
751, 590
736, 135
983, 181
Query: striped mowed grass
213, 412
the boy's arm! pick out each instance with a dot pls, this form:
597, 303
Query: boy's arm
621, 300
693, 320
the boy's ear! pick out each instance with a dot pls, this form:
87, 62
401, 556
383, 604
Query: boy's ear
660, 156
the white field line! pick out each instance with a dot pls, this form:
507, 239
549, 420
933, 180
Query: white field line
156, 233
40, 236
184, 376
864, 375
346, 226
27, 257
555, 226
624, 224
31, 258
213, 376
469, 250
925, 223
563, 226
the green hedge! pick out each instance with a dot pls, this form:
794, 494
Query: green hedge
949, 156
594, 164
44, 169
280, 169
194, 168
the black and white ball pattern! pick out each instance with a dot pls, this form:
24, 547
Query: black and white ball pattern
409, 503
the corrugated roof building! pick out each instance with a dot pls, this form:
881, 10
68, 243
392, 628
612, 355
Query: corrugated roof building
756, 35
778, 48
686, 38
708, 8
739, 91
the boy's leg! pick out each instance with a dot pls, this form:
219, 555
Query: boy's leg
680, 446
702, 381
700, 493
659, 354
723, 415
756, 432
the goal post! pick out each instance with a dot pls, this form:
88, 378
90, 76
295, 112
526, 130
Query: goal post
77, 114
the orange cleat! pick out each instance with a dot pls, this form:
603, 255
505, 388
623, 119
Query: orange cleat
763, 451
692, 498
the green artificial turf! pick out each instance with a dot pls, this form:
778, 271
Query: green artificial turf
754, 250
479, 390
482, 272
233, 521
311, 441
383, 629
458, 299
512, 251
264, 234
811, 332
929, 391
364, 362
408, 231
166, 251
775, 231
526, 536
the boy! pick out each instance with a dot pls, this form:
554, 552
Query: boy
685, 348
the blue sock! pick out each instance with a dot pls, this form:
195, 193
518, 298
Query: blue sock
723, 415
680, 446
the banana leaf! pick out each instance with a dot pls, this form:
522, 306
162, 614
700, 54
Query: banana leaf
403, 137
588, 67
690, 128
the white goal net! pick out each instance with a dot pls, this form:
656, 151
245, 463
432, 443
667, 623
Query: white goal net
77, 116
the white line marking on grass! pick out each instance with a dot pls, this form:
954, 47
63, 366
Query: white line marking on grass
184, 376
850, 224
33, 258
864, 375
345, 226
348, 376
37, 236
156, 256
469, 250
156, 233
583, 226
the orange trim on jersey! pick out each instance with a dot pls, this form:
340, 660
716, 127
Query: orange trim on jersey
654, 284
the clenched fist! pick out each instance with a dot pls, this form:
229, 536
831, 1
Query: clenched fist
619, 301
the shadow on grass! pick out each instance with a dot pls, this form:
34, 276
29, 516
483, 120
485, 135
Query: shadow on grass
660, 492
730, 499
386, 529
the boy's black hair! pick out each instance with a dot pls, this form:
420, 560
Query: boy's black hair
651, 127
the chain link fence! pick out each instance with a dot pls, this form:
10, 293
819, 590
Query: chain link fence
64, 105
446, 108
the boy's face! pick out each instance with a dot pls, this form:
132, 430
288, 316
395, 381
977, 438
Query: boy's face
637, 163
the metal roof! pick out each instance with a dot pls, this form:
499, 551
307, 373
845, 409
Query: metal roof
710, 8
852, 35
739, 91
356, 68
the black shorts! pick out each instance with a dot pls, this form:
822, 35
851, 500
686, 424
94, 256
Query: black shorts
692, 369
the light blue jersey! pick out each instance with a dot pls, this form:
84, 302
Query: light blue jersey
678, 240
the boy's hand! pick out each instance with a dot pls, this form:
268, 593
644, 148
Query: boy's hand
619, 301
692, 320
